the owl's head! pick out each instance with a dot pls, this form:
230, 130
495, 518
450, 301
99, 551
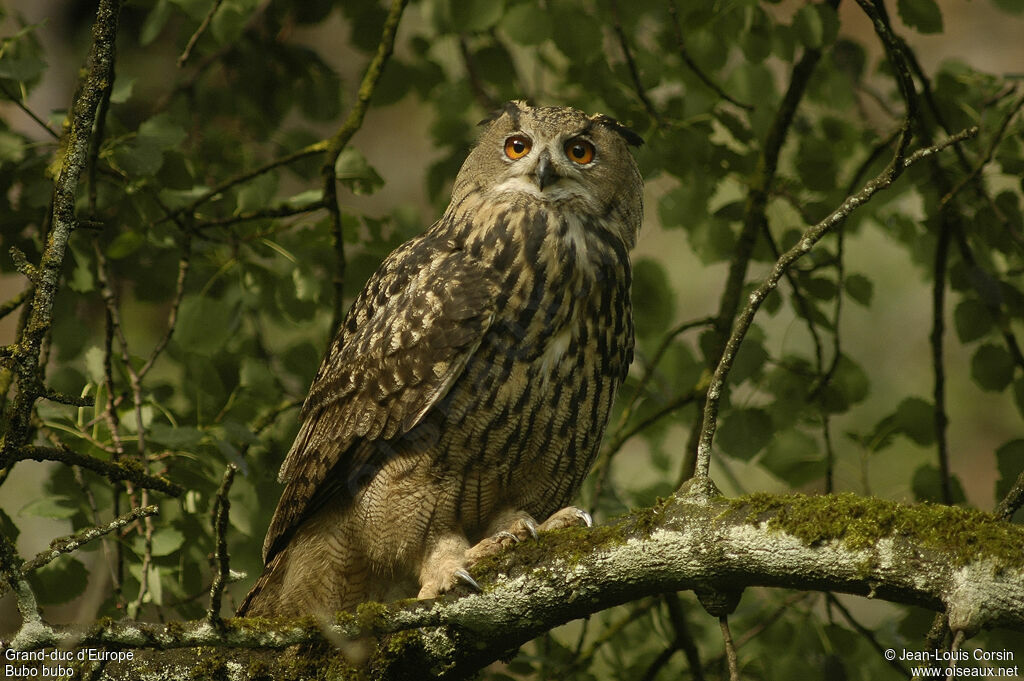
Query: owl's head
558, 156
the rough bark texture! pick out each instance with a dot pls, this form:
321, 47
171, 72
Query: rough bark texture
964, 562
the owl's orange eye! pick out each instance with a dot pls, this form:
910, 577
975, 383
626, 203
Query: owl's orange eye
517, 146
579, 151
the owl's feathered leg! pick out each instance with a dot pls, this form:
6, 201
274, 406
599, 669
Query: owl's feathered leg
444, 566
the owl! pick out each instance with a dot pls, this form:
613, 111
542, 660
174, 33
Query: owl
466, 393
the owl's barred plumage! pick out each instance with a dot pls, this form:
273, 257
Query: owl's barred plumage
469, 386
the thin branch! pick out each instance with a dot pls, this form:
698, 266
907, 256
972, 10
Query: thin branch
172, 316
810, 237
673, 13
187, 52
941, 419
684, 638
221, 509
337, 143
754, 222
63, 221
31, 114
111, 470
84, 536
476, 84
213, 192
33, 628
634, 72
975, 172
1013, 500
14, 303
868, 635
730, 649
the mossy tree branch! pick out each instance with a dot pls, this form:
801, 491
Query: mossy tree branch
967, 563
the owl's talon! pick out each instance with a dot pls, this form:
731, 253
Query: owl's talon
505, 534
570, 516
466, 579
531, 527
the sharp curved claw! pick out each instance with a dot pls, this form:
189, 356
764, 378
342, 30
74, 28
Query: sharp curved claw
505, 534
531, 527
585, 517
464, 577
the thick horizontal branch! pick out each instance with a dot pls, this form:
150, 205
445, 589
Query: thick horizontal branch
965, 562
110, 470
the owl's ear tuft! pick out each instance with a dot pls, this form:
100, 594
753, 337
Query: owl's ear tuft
629, 135
513, 108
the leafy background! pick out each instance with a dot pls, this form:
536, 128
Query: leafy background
833, 389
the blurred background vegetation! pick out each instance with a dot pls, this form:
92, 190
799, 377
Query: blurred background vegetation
834, 388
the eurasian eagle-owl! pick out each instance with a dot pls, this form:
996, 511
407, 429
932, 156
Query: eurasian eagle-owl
468, 388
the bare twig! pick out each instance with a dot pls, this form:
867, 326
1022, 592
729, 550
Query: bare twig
754, 222
187, 52
31, 114
221, 508
634, 72
1013, 500
337, 143
9, 306
868, 635
810, 237
82, 537
692, 65
83, 115
108, 469
730, 649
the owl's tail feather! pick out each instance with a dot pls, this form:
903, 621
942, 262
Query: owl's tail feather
259, 600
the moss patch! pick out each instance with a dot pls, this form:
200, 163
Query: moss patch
967, 535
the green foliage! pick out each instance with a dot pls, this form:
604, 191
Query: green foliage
223, 275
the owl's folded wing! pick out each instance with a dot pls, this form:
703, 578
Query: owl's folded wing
404, 343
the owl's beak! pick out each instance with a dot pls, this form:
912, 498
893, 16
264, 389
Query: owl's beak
545, 173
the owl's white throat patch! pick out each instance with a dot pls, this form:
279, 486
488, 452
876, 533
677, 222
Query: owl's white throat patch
556, 193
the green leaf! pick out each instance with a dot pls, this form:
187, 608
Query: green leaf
353, 171
850, 385
124, 244
204, 325
7, 527
972, 320
915, 418
927, 486
1010, 462
651, 285
162, 131
472, 16
924, 15
59, 582
817, 25
12, 147
745, 432
166, 541
860, 288
992, 367
58, 508
526, 25
174, 437
794, 456
257, 193
94, 363
1011, 6
153, 25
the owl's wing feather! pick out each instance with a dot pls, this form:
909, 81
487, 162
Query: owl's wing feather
405, 341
